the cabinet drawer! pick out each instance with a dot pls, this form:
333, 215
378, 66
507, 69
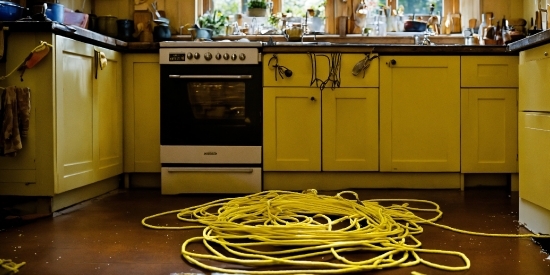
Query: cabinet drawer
368, 79
489, 71
300, 64
541, 52
309, 70
177, 180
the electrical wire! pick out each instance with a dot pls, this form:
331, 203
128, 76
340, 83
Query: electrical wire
10, 265
334, 65
291, 230
282, 71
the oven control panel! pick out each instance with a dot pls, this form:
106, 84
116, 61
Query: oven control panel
221, 56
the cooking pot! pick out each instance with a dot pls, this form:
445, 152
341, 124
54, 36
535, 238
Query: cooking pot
415, 26
55, 12
202, 34
107, 25
10, 11
125, 29
162, 33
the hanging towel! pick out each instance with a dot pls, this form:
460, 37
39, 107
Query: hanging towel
10, 138
24, 109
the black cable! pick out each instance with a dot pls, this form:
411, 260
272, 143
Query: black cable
281, 70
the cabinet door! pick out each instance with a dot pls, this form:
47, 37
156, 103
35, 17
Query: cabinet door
420, 113
350, 129
534, 157
108, 116
534, 70
489, 130
141, 113
292, 129
75, 114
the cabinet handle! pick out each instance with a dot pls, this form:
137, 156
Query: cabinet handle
545, 53
312, 98
391, 63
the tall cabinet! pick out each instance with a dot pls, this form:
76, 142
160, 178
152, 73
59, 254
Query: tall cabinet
534, 139
74, 147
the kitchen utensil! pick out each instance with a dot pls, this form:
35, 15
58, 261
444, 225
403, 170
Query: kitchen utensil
294, 34
10, 11
125, 29
415, 26
55, 12
201, 34
107, 25
161, 33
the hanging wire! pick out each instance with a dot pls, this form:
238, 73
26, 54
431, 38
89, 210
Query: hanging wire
282, 71
334, 66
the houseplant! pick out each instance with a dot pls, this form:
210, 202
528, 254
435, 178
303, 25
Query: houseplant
214, 20
257, 8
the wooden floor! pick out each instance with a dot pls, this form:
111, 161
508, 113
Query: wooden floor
105, 235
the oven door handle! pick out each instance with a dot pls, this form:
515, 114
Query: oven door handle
211, 76
206, 169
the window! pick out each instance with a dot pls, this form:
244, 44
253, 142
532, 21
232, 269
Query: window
299, 7
421, 6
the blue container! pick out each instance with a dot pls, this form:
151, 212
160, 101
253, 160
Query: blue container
10, 11
55, 12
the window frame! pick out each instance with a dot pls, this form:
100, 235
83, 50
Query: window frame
334, 6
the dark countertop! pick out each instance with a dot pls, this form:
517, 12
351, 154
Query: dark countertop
529, 42
355, 44
74, 32
401, 49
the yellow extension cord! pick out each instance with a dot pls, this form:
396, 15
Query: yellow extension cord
11, 266
303, 225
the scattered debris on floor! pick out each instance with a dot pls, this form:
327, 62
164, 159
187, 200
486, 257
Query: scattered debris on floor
295, 231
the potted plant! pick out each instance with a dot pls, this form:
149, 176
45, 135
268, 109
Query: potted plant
257, 8
215, 21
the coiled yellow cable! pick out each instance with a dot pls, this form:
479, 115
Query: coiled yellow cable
10, 265
287, 229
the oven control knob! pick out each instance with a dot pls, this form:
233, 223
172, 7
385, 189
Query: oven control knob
189, 56
234, 56
197, 55
208, 56
242, 56
218, 56
226, 56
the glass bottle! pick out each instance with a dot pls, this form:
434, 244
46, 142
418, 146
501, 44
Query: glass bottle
482, 26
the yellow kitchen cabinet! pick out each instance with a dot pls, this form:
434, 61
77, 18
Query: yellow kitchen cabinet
489, 130
489, 71
141, 113
420, 113
295, 113
534, 148
533, 79
534, 139
350, 129
292, 129
306, 67
74, 148
89, 114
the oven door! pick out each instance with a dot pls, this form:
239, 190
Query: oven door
211, 105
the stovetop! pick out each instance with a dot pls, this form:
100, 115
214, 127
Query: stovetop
242, 43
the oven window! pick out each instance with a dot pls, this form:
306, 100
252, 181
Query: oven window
217, 100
